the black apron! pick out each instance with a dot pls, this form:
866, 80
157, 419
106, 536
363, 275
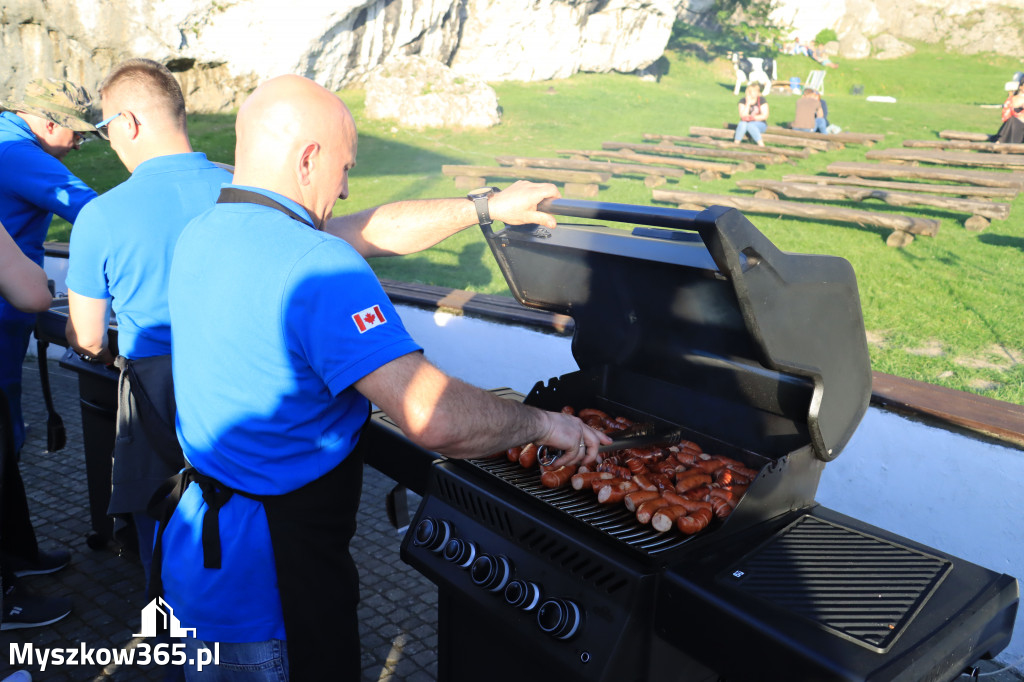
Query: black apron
310, 531
146, 448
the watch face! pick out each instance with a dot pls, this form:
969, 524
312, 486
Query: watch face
482, 192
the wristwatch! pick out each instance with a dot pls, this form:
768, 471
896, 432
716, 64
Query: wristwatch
480, 197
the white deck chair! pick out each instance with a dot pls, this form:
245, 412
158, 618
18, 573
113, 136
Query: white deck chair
816, 81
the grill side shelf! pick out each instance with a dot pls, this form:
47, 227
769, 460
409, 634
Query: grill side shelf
854, 585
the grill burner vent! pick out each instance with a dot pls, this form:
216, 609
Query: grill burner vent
473, 504
571, 560
857, 586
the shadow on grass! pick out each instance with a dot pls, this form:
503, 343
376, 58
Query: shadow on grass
380, 156
1002, 240
471, 270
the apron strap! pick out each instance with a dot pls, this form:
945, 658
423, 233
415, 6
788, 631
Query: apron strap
162, 505
236, 195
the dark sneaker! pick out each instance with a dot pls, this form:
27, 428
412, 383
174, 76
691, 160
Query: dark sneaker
47, 562
23, 610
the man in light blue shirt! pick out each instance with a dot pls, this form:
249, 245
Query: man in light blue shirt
121, 249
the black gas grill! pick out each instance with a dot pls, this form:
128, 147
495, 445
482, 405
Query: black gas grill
757, 355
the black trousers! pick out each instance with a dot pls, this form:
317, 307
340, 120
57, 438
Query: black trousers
17, 537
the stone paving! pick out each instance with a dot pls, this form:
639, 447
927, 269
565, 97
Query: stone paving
398, 613
398, 610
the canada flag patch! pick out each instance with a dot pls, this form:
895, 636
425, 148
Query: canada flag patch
368, 319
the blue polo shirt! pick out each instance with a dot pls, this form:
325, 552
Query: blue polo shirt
273, 322
123, 242
33, 186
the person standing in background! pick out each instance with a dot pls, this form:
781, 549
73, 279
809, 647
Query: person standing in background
36, 132
120, 259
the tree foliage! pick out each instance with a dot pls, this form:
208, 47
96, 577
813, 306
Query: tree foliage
752, 21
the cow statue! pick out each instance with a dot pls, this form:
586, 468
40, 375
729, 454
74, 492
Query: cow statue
753, 70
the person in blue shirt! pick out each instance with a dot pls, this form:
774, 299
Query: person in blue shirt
120, 258
36, 132
283, 337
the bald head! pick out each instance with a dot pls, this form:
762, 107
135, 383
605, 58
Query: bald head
298, 139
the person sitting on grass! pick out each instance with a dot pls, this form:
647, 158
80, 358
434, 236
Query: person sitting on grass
811, 113
753, 115
1012, 129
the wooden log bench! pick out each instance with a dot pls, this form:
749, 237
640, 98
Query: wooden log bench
653, 176
979, 211
959, 135
958, 190
893, 170
866, 139
904, 227
786, 153
577, 184
942, 157
994, 147
709, 172
749, 158
768, 138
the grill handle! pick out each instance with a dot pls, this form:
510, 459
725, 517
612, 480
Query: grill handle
655, 216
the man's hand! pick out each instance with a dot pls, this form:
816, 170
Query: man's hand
576, 440
517, 205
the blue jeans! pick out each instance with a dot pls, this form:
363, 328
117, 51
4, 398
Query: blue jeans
245, 662
754, 128
820, 126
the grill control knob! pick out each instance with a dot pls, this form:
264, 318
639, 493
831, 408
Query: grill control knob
432, 534
522, 594
491, 572
560, 618
459, 551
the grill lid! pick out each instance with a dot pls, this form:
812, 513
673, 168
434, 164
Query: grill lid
704, 301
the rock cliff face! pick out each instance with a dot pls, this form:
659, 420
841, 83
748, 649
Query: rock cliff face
966, 26
221, 49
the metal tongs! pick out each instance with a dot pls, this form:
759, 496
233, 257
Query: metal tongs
636, 436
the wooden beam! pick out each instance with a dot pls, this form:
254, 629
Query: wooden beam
868, 139
545, 175
593, 166
994, 147
724, 134
658, 162
959, 190
800, 190
783, 153
644, 149
892, 170
923, 226
958, 135
945, 158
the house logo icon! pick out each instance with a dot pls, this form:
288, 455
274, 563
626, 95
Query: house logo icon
158, 616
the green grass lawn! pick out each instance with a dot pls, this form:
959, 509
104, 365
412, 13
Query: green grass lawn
946, 310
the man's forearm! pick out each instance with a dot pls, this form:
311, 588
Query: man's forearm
410, 226
403, 227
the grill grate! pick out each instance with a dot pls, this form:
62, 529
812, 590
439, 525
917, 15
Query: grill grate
613, 520
857, 586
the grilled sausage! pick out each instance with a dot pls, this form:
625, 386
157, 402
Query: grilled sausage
638, 497
528, 457
556, 478
588, 412
694, 522
513, 453
581, 480
610, 494
665, 518
646, 510
691, 480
